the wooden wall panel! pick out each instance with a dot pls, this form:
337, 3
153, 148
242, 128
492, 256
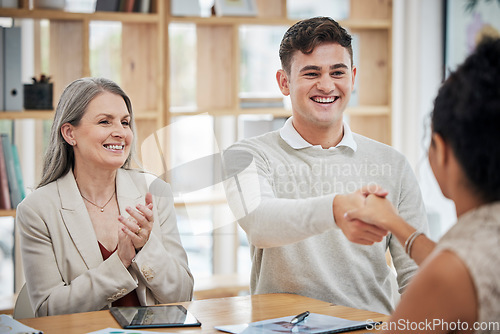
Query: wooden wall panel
371, 9
140, 77
374, 127
270, 8
144, 128
373, 75
215, 84
67, 50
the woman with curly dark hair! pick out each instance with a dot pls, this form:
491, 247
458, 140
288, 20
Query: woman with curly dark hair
457, 288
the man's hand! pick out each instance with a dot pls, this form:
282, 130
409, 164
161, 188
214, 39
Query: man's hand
356, 230
377, 211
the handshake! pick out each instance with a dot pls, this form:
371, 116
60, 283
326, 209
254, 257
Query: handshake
365, 216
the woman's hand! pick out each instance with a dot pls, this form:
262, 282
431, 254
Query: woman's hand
376, 211
356, 230
139, 225
125, 249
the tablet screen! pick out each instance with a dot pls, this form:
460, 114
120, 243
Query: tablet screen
153, 316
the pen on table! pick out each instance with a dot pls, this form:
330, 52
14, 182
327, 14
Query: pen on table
299, 318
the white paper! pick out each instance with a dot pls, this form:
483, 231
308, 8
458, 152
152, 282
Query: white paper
314, 323
121, 331
11, 326
235, 329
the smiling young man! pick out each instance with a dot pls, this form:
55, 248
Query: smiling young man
319, 84
292, 198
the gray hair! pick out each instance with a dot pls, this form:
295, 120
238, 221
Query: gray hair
59, 157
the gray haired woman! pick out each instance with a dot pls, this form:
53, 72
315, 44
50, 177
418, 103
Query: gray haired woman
92, 235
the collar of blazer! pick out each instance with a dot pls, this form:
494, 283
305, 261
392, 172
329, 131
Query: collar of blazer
77, 219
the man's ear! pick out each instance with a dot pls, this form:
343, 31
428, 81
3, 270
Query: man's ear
353, 77
68, 134
282, 79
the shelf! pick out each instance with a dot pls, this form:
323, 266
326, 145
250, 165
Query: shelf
70, 16
146, 115
49, 114
366, 24
151, 115
215, 199
32, 114
8, 213
369, 111
214, 20
232, 20
278, 112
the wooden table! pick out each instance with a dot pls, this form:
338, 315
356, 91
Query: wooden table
210, 312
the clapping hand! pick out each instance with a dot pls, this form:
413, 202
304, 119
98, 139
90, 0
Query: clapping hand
139, 225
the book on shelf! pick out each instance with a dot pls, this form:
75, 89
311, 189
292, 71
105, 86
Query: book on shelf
2, 69
8, 3
14, 187
128, 6
49, 4
19, 173
144, 6
107, 5
11, 69
121, 6
4, 182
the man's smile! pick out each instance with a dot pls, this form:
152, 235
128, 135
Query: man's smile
324, 100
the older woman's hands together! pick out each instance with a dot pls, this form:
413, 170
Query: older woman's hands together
135, 230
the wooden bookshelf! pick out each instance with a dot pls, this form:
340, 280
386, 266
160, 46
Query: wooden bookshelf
218, 60
145, 69
31, 114
8, 213
49, 14
145, 61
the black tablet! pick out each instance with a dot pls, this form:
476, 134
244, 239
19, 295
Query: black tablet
153, 316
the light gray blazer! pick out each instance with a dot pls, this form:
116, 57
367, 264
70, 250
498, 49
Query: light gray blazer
63, 265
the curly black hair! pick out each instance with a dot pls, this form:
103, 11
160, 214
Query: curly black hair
307, 34
467, 116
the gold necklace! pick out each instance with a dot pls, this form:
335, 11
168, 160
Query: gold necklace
100, 207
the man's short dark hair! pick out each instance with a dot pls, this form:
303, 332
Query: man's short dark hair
307, 34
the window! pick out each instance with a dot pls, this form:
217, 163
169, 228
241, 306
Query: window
105, 50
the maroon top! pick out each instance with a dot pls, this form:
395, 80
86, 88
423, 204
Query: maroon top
131, 298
